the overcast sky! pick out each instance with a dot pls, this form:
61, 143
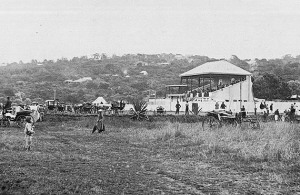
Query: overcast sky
51, 29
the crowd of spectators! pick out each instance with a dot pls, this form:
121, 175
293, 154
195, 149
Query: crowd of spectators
207, 90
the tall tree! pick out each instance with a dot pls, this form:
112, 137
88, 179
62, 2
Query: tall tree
269, 86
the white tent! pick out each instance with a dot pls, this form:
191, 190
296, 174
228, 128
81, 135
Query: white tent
98, 101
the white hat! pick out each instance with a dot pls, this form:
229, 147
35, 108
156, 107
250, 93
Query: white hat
100, 110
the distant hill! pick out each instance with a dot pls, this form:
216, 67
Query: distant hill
118, 77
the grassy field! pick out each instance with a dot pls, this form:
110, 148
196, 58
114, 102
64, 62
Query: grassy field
150, 158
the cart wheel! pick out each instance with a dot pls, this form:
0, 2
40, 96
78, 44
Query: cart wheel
7, 123
21, 120
213, 122
234, 123
255, 125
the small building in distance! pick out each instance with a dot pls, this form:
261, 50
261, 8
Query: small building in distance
145, 73
81, 80
68, 81
84, 79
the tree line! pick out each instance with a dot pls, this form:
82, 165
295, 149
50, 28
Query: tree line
118, 77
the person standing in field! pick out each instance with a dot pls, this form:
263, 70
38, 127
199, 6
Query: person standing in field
187, 108
223, 106
178, 106
243, 111
276, 114
100, 122
28, 133
217, 106
292, 113
7, 106
262, 107
271, 107
284, 115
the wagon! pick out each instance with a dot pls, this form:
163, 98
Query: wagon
51, 105
16, 114
117, 107
219, 118
160, 110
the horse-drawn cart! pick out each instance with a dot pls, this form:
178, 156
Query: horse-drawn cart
219, 118
160, 110
17, 115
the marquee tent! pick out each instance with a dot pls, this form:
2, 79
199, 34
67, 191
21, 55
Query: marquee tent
98, 101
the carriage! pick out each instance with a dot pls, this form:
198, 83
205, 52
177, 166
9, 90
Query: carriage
51, 105
160, 110
117, 107
219, 118
17, 114
87, 108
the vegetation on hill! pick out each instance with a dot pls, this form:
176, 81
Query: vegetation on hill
119, 77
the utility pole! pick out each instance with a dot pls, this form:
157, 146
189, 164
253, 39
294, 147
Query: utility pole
54, 93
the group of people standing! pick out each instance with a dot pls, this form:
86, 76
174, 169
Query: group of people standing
187, 109
178, 106
267, 110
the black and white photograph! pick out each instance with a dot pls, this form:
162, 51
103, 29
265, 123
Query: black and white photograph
115, 97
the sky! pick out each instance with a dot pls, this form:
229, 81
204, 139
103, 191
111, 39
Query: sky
52, 29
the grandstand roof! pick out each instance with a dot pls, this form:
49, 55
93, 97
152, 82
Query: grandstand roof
221, 67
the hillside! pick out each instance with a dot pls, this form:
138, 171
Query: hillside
119, 77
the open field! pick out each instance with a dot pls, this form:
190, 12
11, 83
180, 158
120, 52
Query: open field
150, 158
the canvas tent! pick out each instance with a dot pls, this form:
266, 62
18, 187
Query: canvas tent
98, 101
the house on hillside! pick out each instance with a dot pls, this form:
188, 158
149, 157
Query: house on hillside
141, 63
84, 79
68, 81
179, 57
163, 63
145, 73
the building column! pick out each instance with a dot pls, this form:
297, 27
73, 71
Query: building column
241, 95
210, 82
248, 78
